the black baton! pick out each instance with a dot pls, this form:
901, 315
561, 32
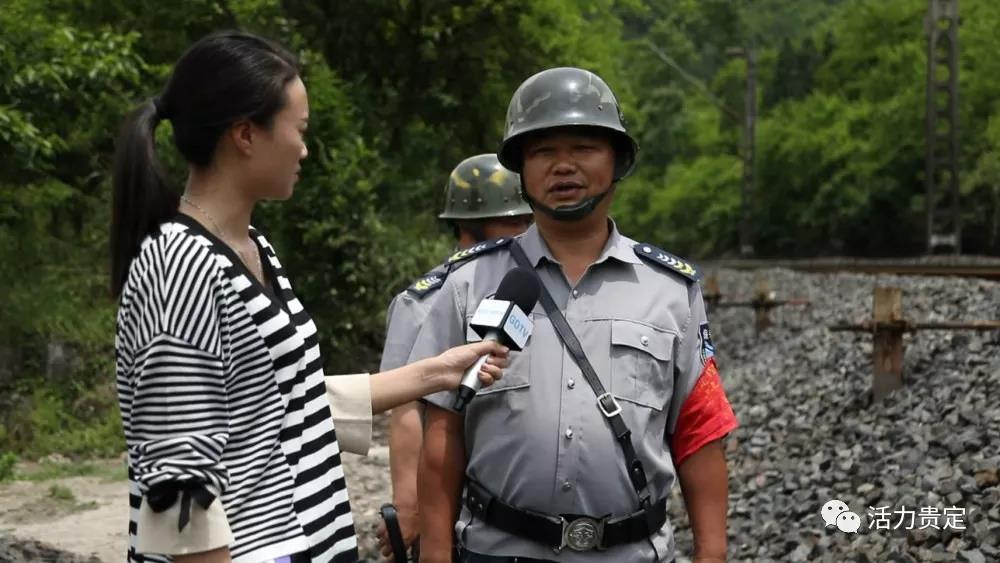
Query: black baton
388, 512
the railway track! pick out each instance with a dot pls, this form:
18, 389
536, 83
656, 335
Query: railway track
986, 267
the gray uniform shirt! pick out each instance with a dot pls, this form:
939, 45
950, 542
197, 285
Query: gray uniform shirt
403, 319
406, 313
536, 438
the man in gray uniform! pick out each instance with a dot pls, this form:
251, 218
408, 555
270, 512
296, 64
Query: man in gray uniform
482, 201
560, 462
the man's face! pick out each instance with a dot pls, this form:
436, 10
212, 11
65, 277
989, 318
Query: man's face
505, 227
568, 165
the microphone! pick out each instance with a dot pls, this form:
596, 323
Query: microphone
504, 319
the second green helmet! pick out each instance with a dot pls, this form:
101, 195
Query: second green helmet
481, 188
561, 97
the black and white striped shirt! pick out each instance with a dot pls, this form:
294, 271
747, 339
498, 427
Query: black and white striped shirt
220, 382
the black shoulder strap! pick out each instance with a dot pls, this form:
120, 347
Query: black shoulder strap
435, 278
428, 282
667, 261
477, 250
605, 401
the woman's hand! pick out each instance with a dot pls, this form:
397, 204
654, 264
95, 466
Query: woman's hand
451, 364
392, 388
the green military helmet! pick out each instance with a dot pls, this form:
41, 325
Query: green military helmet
560, 97
481, 188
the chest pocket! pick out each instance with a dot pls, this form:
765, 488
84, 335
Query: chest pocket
517, 375
641, 363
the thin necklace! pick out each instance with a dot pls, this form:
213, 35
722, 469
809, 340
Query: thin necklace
260, 267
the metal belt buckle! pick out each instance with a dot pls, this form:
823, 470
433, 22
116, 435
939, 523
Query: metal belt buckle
582, 534
614, 409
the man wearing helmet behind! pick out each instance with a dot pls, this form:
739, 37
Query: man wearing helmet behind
572, 456
482, 201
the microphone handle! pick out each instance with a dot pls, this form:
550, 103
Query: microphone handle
470, 381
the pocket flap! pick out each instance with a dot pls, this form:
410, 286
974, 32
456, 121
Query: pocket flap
653, 341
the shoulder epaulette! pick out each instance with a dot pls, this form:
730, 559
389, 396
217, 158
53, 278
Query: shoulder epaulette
476, 250
435, 278
428, 282
667, 260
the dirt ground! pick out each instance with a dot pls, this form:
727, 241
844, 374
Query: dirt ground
88, 516
91, 522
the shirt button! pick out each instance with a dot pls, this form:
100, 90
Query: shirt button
644, 340
567, 485
576, 293
569, 432
571, 384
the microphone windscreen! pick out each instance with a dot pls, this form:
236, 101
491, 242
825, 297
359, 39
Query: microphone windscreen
519, 285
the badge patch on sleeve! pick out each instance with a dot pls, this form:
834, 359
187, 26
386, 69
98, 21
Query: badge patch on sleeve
705, 338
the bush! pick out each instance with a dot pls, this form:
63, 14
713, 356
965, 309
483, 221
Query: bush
7, 462
80, 421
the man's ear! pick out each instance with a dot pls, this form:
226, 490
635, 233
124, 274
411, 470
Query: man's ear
243, 134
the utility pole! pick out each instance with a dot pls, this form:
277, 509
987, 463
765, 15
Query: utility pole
749, 149
944, 226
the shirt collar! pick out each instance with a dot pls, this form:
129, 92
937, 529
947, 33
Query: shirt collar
618, 247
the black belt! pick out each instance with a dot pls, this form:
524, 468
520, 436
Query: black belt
579, 533
473, 557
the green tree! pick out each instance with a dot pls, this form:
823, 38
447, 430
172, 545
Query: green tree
63, 90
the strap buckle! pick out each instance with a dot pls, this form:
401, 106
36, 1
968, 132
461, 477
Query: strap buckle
608, 405
582, 534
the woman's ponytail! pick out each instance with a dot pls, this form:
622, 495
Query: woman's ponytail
141, 200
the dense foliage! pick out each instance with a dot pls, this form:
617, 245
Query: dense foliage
401, 90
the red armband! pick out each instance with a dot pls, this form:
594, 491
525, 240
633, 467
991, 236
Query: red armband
705, 416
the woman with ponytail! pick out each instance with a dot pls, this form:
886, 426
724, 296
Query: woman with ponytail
229, 421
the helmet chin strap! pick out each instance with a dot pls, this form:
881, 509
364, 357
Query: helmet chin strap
573, 212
